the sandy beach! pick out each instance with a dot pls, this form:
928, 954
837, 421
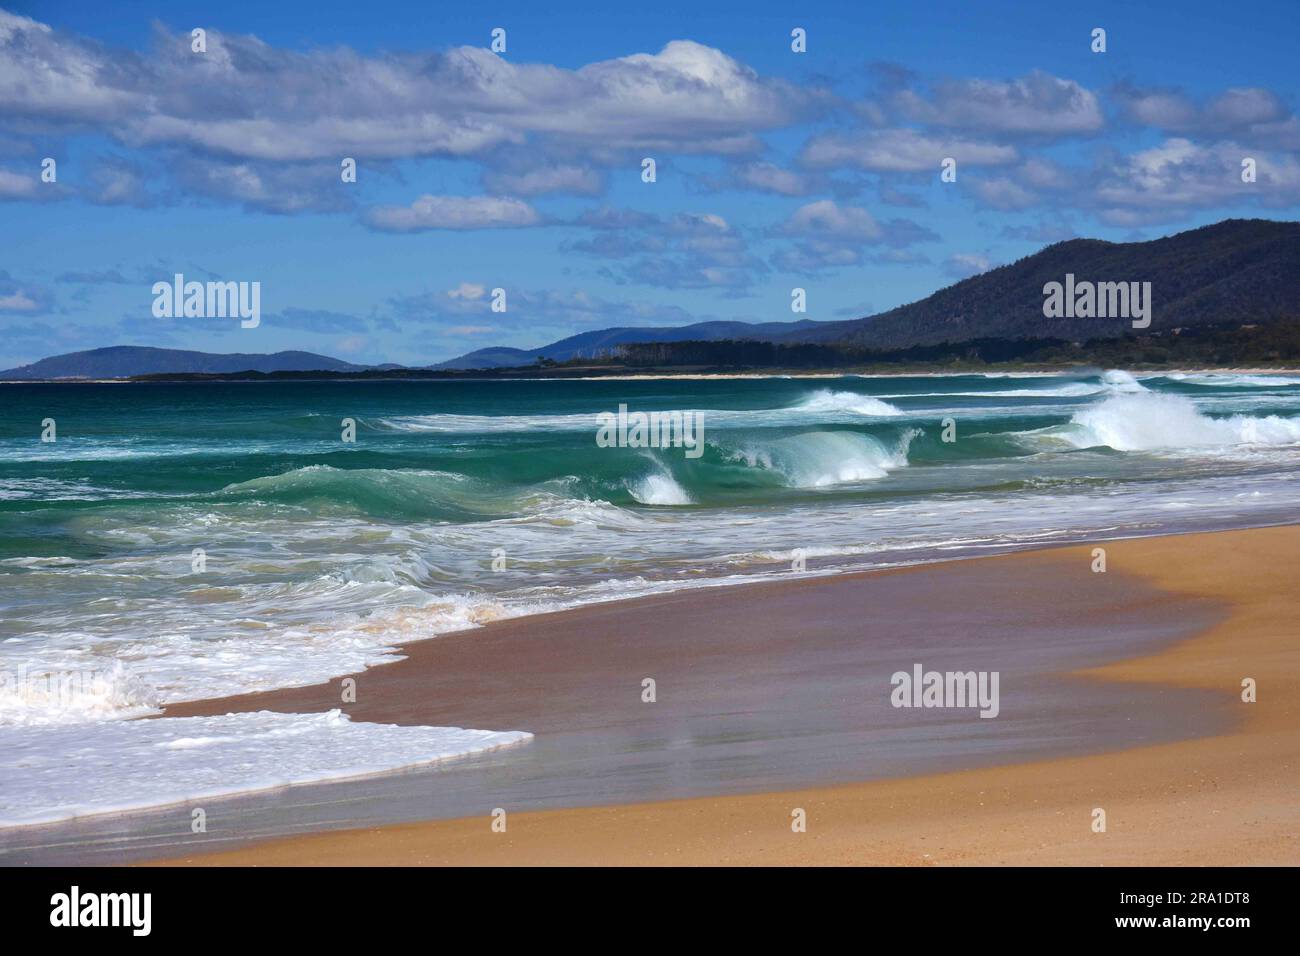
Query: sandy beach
1224, 798
1044, 371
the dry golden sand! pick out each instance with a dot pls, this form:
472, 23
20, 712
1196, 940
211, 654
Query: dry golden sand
1230, 799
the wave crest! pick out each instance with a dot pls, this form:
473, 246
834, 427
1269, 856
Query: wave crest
659, 488
1148, 421
826, 400
819, 459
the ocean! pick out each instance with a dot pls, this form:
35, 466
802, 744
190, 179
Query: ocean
184, 541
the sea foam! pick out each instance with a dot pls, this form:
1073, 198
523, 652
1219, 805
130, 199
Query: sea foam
659, 488
57, 773
1141, 422
819, 459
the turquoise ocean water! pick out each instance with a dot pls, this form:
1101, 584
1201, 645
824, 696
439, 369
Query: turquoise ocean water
180, 541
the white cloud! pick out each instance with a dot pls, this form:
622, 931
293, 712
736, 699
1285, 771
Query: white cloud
1180, 174
18, 301
767, 177
1235, 111
16, 186
901, 150
963, 265
454, 212
247, 99
275, 187
831, 236
1035, 104
468, 291
826, 218
574, 180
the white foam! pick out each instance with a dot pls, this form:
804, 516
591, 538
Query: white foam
34, 698
1119, 381
659, 489
820, 405
819, 459
1149, 421
1111, 382
57, 773
825, 400
1235, 381
1067, 390
214, 642
53, 489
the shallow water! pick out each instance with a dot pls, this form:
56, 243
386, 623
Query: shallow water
779, 687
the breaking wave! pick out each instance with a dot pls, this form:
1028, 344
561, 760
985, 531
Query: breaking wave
825, 400
1142, 422
820, 459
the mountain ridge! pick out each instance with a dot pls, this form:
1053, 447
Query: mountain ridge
1234, 271
124, 361
1243, 270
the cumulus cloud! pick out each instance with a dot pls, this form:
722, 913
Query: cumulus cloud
271, 187
453, 212
51, 76
249, 100
825, 217
1026, 185
770, 178
468, 292
563, 178
265, 126
25, 298
545, 314
115, 181
963, 265
901, 150
1037, 104
1244, 112
18, 186
690, 250
1180, 174
830, 235
702, 250
1162, 183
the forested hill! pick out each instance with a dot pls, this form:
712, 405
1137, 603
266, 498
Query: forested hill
1236, 271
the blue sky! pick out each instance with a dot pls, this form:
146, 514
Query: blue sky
522, 171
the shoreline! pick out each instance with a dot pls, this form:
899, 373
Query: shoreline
382, 803
684, 376
996, 373
1233, 788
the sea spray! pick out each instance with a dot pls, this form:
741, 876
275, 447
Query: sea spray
1150, 421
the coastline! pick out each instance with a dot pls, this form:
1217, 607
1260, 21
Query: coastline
1223, 798
992, 371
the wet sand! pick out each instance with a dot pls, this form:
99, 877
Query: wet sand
1227, 798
